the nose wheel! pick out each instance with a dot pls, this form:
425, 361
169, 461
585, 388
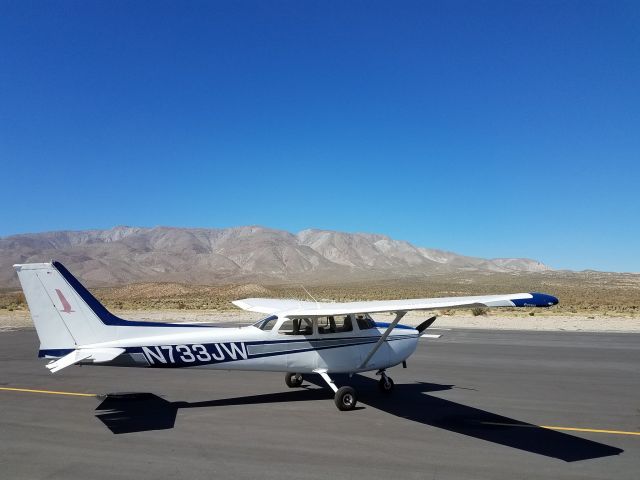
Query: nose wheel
385, 384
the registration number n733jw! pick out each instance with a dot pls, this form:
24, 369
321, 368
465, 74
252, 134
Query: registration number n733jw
195, 354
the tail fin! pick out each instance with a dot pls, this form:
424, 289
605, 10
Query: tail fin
60, 308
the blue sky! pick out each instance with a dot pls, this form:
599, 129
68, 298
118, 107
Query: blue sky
487, 128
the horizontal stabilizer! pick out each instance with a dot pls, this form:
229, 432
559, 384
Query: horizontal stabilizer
97, 355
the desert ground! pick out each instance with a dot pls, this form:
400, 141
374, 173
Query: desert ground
589, 301
539, 322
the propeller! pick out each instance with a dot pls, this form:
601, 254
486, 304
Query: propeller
426, 324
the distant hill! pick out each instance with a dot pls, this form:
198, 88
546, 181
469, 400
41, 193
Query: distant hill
124, 255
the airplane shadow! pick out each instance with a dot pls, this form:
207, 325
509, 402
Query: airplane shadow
137, 412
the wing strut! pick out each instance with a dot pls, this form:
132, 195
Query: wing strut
384, 336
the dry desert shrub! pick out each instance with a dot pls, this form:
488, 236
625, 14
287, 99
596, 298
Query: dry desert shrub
588, 293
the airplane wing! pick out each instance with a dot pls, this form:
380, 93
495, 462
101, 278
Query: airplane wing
304, 308
272, 305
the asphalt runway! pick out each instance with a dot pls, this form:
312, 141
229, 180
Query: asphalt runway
471, 405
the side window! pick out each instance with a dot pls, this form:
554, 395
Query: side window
296, 326
324, 325
335, 324
365, 322
268, 323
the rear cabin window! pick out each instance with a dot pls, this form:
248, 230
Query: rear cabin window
335, 324
296, 326
365, 322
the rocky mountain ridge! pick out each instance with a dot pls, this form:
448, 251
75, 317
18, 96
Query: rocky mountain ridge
123, 255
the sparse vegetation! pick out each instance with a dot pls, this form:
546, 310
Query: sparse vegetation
588, 293
13, 301
476, 311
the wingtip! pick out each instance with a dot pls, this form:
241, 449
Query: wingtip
537, 300
544, 299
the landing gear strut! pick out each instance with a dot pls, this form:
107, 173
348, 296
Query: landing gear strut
345, 397
385, 384
293, 380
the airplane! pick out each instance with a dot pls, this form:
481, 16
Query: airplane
295, 337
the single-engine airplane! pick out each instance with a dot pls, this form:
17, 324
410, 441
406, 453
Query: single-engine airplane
296, 337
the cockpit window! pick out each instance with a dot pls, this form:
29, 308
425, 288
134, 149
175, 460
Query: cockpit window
296, 326
365, 322
267, 323
335, 324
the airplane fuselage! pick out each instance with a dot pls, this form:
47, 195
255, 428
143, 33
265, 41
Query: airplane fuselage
249, 348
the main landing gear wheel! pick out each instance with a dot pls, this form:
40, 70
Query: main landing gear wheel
293, 380
346, 398
385, 384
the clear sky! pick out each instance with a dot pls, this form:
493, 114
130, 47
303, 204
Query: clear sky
486, 128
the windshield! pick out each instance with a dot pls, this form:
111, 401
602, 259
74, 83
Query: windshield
266, 323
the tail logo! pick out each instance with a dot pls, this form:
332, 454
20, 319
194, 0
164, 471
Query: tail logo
66, 308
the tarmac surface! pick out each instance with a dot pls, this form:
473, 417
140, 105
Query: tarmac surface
471, 405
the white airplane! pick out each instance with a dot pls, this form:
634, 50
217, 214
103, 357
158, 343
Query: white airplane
296, 337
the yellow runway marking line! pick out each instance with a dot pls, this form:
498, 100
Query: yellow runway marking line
568, 429
48, 392
548, 427
590, 430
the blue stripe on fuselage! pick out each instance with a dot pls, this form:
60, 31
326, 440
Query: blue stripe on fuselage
172, 358
54, 352
230, 351
400, 326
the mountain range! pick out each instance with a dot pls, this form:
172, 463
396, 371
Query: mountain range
123, 255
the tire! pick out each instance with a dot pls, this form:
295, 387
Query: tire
346, 398
386, 387
293, 380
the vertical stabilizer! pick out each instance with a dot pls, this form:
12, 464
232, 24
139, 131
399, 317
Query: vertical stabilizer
61, 316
